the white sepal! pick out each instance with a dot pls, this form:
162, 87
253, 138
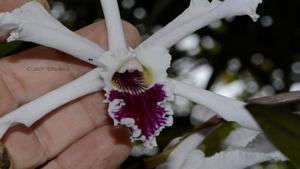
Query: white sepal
200, 114
33, 111
236, 159
240, 137
32, 23
116, 38
198, 15
187, 156
179, 154
229, 109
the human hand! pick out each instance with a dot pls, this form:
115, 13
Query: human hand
78, 135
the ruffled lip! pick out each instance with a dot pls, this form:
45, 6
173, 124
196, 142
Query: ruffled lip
143, 113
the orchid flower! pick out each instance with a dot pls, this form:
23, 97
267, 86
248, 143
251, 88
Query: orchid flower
138, 90
242, 148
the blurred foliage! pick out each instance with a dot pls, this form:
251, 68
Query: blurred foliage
277, 117
9, 48
213, 142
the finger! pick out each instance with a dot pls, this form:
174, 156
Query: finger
9, 5
33, 73
104, 148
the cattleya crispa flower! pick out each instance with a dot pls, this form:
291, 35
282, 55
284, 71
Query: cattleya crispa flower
137, 87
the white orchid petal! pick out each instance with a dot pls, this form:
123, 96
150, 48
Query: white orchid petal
200, 114
116, 38
237, 159
260, 144
29, 113
148, 58
178, 155
229, 109
32, 23
156, 59
240, 137
195, 157
200, 14
180, 20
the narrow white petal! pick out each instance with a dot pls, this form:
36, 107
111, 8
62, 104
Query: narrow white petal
187, 15
32, 23
238, 159
200, 14
229, 109
240, 137
116, 38
195, 157
179, 154
200, 114
29, 113
260, 144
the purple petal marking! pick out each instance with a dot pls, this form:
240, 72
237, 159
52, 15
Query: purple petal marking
145, 108
130, 81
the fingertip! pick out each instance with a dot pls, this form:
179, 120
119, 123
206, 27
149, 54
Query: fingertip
121, 135
132, 34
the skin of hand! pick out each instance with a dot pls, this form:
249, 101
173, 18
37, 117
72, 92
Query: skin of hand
79, 135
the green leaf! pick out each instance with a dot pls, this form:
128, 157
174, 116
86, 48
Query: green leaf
282, 126
285, 165
8, 48
213, 142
